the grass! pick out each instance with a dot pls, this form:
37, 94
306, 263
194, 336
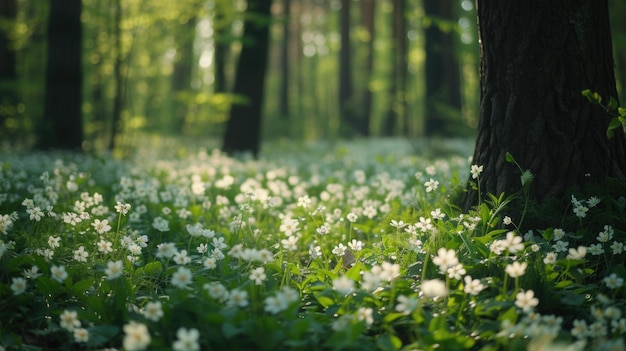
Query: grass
312, 247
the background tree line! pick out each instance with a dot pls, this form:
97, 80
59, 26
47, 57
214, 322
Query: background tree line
336, 68
91, 74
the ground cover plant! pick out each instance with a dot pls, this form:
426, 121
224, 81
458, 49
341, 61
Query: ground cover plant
351, 246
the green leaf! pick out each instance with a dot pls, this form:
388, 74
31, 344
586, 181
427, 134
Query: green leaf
393, 316
485, 213
293, 269
214, 318
46, 286
575, 273
389, 342
437, 323
94, 304
481, 248
354, 273
230, 330
83, 285
491, 308
563, 284
324, 300
588, 94
102, 334
612, 104
487, 238
153, 268
593, 97
509, 158
613, 124
510, 315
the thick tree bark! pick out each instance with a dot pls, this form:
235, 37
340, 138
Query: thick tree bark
536, 58
243, 131
62, 125
443, 85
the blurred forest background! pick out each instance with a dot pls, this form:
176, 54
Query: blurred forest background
336, 69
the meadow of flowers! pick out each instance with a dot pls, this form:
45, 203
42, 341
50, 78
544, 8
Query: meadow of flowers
351, 246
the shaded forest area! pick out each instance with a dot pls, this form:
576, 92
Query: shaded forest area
335, 69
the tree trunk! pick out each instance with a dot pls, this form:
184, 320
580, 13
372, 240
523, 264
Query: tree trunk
346, 103
397, 105
368, 7
536, 58
285, 62
118, 98
243, 131
443, 86
181, 77
8, 74
221, 28
62, 125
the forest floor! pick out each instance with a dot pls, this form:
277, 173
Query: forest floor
350, 245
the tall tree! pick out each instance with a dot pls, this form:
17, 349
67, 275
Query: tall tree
222, 29
183, 68
368, 10
62, 125
118, 98
8, 73
443, 86
99, 27
283, 106
536, 58
397, 88
345, 70
243, 130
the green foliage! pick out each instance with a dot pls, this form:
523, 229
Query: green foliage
611, 108
377, 258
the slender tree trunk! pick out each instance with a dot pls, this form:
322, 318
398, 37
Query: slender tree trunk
97, 134
536, 58
397, 108
243, 131
62, 125
368, 22
183, 68
221, 28
118, 99
443, 83
402, 65
284, 61
346, 109
8, 74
